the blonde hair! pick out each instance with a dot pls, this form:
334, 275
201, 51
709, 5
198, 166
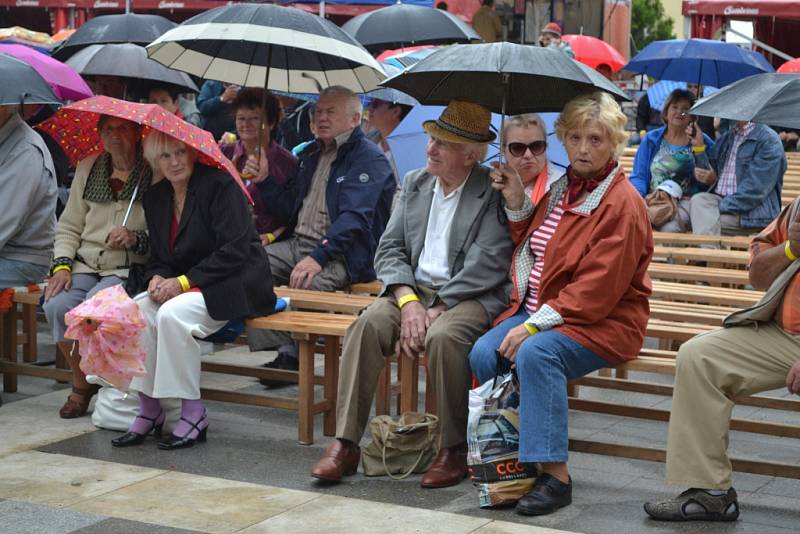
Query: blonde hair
598, 106
156, 143
526, 120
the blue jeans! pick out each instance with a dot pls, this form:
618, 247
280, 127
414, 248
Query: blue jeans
15, 273
545, 362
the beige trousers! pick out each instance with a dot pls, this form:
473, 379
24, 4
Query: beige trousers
706, 218
713, 368
371, 339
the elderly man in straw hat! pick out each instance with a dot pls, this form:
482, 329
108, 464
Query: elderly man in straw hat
443, 261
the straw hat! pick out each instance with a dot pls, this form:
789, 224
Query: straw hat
462, 121
552, 27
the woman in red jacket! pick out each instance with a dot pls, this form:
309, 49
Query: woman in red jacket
580, 281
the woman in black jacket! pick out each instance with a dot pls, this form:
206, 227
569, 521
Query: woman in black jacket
207, 267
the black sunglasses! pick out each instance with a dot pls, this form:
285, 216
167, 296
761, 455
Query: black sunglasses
518, 149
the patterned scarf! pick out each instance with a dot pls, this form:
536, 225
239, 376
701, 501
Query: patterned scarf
100, 187
577, 184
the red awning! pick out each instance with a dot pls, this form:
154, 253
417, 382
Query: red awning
175, 5
785, 9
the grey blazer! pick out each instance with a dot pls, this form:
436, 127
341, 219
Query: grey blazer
480, 244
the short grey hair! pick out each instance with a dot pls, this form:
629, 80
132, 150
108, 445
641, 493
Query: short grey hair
353, 100
478, 150
156, 143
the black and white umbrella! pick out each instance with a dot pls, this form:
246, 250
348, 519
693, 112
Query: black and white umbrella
128, 61
265, 45
406, 25
125, 28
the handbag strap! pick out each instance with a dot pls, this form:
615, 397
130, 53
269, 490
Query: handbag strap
385, 435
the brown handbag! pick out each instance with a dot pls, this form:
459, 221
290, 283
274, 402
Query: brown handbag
661, 207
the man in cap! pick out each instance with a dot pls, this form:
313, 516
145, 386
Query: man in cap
443, 261
550, 37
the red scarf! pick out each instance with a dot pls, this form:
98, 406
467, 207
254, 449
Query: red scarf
576, 184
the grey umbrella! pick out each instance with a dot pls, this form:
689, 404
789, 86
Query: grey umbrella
772, 99
22, 84
124, 28
401, 25
129, 61
505, 77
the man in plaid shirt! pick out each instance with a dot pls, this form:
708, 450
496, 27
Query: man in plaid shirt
745, 179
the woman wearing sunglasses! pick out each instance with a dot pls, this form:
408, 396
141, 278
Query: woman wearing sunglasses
524, 143
579, 274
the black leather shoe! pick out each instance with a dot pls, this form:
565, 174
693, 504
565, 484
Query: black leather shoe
129, 439
286, 362
173, 442
548, 495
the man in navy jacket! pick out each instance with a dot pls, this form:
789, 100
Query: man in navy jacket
335, 208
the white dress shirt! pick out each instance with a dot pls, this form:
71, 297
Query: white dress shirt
433, 269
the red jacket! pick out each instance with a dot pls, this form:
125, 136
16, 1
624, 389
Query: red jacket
595, 268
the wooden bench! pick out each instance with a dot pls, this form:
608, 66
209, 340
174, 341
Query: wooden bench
691, 240
694, 273
739, 258
23, 310
719, 296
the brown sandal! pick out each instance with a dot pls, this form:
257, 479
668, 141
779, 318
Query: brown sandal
78, 402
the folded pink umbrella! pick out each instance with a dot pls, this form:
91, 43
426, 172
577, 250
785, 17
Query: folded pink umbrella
107, 328
66, 83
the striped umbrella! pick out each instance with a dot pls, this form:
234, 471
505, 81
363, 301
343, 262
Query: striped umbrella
265, 45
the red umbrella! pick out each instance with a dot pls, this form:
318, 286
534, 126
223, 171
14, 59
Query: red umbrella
790, 67
593, 52
74, 127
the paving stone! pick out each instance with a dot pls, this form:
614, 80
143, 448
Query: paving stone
28, 518
129, 527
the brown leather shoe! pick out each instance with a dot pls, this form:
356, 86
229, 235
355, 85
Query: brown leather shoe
449, 468
78, 402
340, 459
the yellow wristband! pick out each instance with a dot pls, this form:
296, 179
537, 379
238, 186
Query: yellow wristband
787, 249
405, 299
185, 285
699, 148
270, 237
62, 268
531, 329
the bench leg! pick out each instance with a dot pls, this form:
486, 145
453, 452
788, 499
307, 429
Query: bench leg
622, 374
605, 372
9, 347
383, 393
305, 398
29, 350
331, 383
409, 385
430, 395
573, 389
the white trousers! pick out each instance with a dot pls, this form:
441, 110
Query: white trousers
169, 341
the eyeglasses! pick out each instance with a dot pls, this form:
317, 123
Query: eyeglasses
518, 149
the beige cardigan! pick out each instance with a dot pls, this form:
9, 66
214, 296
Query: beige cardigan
84, 226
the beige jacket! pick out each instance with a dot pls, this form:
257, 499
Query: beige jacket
84, 226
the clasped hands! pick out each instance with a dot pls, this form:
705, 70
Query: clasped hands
162, 289
121, 238
415, 321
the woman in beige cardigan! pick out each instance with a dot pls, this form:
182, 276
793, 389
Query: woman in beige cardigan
93, 250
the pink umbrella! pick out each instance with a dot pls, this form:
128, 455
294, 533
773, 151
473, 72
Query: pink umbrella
107, 328
66, 83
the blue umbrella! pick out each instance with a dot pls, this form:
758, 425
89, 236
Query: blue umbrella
702, 61
407, 142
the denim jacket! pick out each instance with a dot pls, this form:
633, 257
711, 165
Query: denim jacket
760, 164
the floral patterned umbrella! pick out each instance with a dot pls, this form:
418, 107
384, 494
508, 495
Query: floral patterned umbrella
74, 127
107, 328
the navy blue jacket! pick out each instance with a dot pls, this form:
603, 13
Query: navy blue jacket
358, 196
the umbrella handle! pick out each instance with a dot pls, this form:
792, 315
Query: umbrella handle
130, 205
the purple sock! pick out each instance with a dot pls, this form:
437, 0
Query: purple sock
194, 411
148, 407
